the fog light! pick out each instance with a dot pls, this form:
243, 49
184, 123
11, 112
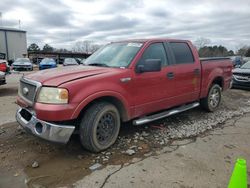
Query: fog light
39, 128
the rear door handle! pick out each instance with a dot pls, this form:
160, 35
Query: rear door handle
170, 75
197, 71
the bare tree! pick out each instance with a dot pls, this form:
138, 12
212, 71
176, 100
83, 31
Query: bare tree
48, 48
33, 47
95, 47
63, 50
242, 51
81, 46
215, 51
201, 42
85, 46
247, 54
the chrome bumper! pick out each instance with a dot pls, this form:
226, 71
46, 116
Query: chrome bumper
45, 130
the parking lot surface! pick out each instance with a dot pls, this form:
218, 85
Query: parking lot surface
191, 149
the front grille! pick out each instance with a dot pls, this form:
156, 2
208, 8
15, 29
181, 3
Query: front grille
46, 66
242, 74
242, 77
21, 66
28, 89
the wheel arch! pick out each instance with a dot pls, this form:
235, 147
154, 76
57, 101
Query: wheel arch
218, 80
114, 98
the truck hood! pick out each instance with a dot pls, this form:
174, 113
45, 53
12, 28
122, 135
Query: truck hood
56, 77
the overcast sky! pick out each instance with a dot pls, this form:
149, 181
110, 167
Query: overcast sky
61, 23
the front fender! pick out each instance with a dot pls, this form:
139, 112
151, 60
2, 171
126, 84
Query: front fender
100, 94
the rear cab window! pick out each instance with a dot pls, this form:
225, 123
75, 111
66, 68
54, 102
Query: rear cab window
181, 52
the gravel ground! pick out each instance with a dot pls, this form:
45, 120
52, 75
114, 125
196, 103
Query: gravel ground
191, 123
205, 161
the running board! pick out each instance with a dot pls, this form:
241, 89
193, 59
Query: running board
164, 114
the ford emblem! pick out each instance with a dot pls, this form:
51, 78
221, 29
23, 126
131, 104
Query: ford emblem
25, 90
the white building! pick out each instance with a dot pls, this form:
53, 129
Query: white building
13, 43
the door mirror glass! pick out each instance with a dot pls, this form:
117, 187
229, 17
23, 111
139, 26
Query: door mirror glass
149, 65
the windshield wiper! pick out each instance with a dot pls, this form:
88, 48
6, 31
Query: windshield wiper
98, 64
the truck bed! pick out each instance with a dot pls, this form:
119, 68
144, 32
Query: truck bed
213, 66
206, 59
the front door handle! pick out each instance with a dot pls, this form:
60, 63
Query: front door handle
197, 72
170, 75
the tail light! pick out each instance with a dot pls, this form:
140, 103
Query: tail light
3, 67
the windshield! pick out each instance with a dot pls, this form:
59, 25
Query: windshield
47, 60
83, 60
246, 65
115, 54
22, 60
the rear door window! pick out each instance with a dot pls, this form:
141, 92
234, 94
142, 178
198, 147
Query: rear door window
182, 53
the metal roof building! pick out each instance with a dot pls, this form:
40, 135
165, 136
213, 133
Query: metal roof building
13, 43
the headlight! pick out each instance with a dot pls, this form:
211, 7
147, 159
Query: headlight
52, 95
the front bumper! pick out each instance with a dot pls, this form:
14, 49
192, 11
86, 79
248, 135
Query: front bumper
2, 81
48, 131
41, 67
241, 84
22, 67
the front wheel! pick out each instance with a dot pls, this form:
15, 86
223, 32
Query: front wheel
99, 127
213, 99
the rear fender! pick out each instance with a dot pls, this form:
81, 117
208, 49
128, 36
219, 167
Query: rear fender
214, 74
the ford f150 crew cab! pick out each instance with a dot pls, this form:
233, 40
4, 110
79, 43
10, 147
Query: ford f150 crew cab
139, 80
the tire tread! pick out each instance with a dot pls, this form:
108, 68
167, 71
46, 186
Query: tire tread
86, 125
205, 103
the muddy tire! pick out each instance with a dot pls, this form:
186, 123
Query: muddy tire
213, 99
99, 127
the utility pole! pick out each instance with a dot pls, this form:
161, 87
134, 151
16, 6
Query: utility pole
19, 23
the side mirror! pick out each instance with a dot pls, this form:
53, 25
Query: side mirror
149, 65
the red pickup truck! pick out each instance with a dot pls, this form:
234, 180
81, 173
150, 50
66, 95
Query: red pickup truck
139, 80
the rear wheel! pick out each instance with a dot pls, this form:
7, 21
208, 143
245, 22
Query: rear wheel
99, 127
213, 99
